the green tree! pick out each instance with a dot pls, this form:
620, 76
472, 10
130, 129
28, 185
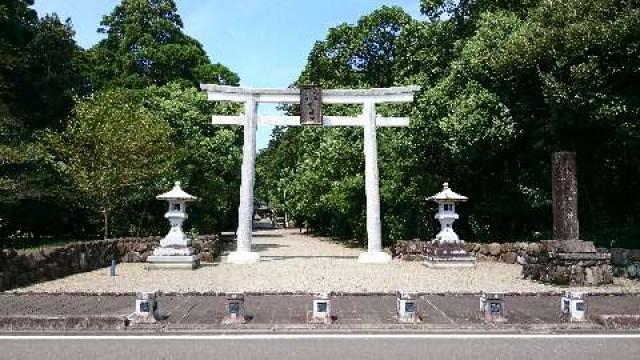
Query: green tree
39, 75
145, 46
207, 158
43, 73
522, 87
16, 26
114, 151
358, 55
321, 171
53, 76
504, 84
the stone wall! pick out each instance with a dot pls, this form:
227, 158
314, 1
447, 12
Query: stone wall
569, 269
540, 261
416, 250
626, 263
569, 262
24, 267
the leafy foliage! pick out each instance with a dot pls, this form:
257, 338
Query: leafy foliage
70, 175
317, 175
39, 75
114, 151
206, 158
145, 46
504, 84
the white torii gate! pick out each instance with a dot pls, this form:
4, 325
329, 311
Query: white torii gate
369, 120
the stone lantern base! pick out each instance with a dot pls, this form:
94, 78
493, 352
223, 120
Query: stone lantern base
449, 255
173, 262
173, 258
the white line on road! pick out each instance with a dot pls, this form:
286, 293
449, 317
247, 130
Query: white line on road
441, 312
320, 336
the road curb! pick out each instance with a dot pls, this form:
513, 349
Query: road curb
62, 323
120, 323
618, 321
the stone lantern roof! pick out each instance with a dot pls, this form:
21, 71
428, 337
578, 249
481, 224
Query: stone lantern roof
176, 194
447, 195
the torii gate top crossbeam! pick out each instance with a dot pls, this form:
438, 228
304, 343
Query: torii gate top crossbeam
400, 94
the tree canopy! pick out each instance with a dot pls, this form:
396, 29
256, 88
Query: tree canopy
145, 45
114, 151
39, 76
504, 84
89, 137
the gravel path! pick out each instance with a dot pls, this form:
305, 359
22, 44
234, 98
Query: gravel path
298, 263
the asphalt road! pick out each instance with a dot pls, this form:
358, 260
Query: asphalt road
325, 346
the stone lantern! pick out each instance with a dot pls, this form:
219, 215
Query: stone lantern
175, 248
447, 248
447, 200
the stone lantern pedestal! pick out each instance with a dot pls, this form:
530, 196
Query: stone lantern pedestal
447, 250
175, 251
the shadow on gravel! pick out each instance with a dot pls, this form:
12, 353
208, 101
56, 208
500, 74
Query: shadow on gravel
260, 247
292, 257
259, 235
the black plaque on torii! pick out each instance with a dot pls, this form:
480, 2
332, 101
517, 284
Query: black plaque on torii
310, 105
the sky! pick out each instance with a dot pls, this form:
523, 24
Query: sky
266, 42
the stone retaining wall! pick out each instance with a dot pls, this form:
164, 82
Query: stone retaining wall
24, 267
569, 262
540, 262
626, 262
416, 250
569, 269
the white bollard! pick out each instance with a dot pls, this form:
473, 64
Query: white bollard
492, 306
235, 309
407, 306
146, 310
577, 306
321, 309
146, 304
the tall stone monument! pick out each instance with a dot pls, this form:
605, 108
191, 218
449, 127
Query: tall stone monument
564, 196
567, 260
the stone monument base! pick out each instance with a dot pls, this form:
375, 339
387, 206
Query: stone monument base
467, 261
243, 257
449, 255
374, 257
569, 262
157, 262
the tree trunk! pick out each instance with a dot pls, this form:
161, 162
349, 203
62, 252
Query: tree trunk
105, 215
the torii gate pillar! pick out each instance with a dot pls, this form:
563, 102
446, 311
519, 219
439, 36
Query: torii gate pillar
374, 252
243, 253
369, 120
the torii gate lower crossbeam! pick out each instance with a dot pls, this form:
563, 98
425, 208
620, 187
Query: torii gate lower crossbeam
250, 119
